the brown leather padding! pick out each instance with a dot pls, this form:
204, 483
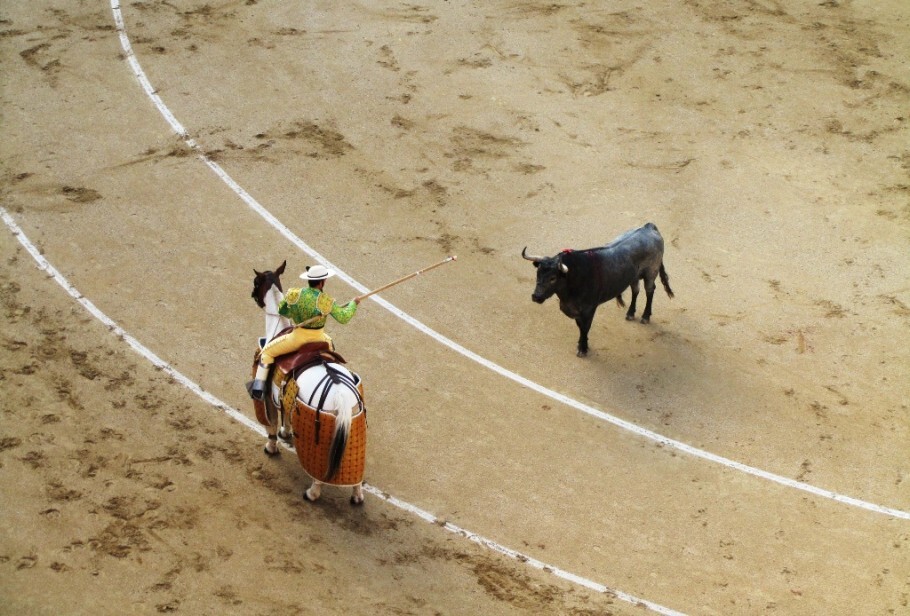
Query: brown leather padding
314, 457
259, 405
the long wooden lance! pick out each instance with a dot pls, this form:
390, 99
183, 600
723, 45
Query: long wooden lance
404, 278
384, 287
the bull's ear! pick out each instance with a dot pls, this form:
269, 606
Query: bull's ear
257, 273
536, 264
280, 270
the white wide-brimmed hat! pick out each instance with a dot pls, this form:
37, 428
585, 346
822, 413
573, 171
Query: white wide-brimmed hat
317, 272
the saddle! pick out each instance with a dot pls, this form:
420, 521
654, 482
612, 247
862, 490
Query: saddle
290, 365
306, 356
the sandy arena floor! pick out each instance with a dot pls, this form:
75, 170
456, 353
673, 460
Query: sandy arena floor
769, 142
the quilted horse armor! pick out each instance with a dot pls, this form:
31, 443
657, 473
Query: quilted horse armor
339, 464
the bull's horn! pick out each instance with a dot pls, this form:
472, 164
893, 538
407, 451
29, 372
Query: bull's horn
533, 258
563, 268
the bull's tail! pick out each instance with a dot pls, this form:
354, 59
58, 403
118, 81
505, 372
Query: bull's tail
665, 280
343, 416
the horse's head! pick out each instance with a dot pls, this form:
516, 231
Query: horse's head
264, 281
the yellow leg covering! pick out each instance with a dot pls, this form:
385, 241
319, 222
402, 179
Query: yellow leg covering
289, 343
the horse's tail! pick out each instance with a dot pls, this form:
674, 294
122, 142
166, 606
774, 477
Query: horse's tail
344, 413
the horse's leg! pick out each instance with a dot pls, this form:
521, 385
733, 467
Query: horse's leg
271, 413
271, 446
285, 433
312, 493
357, 495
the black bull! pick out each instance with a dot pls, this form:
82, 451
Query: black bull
585, 279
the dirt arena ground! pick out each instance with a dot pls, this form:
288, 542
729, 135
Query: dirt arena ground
770, 143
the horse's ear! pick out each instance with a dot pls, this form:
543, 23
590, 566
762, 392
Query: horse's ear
280, 270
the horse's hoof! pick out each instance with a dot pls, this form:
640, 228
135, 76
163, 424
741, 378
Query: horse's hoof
287, 438
357, 502
306, 497
271, 454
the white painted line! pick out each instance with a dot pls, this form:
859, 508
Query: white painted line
584, 408
165, 367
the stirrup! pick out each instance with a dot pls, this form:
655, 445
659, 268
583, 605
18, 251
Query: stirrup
257, 389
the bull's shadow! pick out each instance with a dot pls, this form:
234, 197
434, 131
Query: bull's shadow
664, 375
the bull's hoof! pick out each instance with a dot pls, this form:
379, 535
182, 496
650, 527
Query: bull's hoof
630, 317
582, 353
645, 320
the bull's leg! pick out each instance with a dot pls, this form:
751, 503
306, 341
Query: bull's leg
630, 315
312, 493
584, 326
649, 296
357, 495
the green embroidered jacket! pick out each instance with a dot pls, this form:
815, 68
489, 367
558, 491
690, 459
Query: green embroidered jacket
300, 305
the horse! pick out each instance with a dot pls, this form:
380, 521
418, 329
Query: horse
267, 293
312, 399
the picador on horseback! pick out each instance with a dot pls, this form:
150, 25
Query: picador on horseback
308, 308
301, 391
